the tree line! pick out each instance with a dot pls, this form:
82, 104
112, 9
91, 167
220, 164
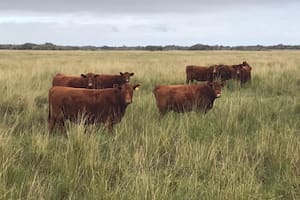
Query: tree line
50, 46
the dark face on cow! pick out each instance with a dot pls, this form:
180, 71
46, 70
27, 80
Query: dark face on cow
127, 92
126, 76
215, 71
90, 80
216, 86
237, 69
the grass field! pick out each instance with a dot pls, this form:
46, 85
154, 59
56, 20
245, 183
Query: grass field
246, 147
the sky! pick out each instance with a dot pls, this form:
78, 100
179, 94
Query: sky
150, 22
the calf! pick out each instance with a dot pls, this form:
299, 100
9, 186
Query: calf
108, 81
185, 98
97, 106
83, 81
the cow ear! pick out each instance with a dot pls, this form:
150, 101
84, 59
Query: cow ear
121, 73
96, 75
83, 75
131, 74
222, 84
136, 87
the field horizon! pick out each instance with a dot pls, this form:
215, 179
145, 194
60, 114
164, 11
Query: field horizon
246, 147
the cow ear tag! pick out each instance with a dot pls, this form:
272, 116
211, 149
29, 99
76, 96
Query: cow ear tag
136, 87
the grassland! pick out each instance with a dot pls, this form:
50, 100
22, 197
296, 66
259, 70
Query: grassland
246, 147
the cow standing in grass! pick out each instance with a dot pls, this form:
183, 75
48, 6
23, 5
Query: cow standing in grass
97, 106
185, 98
246, 73
83, 81
108, 80
199, 73
242, 72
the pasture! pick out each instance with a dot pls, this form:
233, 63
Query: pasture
246, 147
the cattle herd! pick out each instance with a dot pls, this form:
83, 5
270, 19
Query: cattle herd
103, 98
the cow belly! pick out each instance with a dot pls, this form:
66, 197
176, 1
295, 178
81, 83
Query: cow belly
92, 113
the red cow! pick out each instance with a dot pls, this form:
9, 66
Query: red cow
83, 81
223, 72
200, 73
108, 81
243, 72
97, 106
185, 98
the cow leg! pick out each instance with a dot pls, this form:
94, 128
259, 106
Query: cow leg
51, 124
249, 78
188, 79
242, 82
62, 128
162, 111
109, 125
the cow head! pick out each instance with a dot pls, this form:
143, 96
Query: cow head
215, 70
216, 86
90, 80
212, 72
225, 72
127, 91
246, 66
126, 76
237, 70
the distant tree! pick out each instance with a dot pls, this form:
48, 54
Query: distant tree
27, 46
154, 48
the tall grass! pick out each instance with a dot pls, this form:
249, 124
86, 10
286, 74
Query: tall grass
246, 147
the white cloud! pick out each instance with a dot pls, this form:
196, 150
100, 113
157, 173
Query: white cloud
240, 24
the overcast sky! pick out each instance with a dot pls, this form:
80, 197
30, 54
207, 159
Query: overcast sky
150, 22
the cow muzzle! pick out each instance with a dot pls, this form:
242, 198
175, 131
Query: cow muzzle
128, 101
218, 95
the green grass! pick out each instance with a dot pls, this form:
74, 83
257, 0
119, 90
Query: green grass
246, 147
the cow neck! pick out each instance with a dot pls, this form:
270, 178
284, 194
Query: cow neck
209, 91
122, 103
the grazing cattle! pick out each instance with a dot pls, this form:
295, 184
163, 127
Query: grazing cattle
83, 81
185, 98
108, 81
200, 73
97, 106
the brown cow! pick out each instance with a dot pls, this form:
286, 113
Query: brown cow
108, 81
97, 106
243, 72
200, 73
223, 72
185, 98
83, 81
247, 72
